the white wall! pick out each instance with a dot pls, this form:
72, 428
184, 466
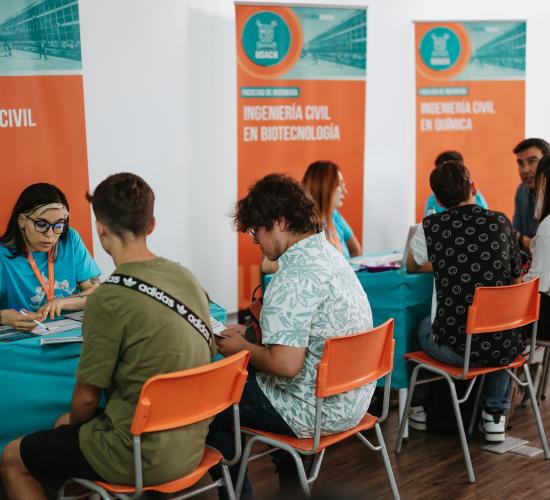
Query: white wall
160, 96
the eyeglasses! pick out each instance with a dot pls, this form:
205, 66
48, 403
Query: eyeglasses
253, 235
43, 226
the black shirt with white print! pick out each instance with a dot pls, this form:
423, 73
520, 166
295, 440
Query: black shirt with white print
469, 247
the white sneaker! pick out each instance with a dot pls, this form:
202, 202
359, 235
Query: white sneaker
418, 418
492, 423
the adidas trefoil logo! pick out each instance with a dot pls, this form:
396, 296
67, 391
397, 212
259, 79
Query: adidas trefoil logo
129, 282
181, 309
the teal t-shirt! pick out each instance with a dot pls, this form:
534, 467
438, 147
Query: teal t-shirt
20, 288
432, 207
343, 231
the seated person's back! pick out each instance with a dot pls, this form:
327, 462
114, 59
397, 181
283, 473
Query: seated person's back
128, 338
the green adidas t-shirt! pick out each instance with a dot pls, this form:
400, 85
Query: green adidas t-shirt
128, 338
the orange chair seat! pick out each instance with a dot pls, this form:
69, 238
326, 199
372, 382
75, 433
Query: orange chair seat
306, 444
209, 459
456, 371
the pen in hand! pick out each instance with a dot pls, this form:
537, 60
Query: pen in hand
42, 325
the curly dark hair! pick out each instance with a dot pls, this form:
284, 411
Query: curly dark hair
451, 183
276, 197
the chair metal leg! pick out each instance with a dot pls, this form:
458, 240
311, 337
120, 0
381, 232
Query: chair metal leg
244, 463
405, 416
476, 405
387, 463
228, 483
541, 388
316, 466
402, 398
536, 412
461, 432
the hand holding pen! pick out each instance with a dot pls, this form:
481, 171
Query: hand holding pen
26, 321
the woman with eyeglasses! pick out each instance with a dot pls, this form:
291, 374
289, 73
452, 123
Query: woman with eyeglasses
324, 182
44, 266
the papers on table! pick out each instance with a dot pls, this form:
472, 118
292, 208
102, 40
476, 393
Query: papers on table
58, 326
77, 316
60, 340
378, 262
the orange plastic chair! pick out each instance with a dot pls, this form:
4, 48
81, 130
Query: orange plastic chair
494, 309
347, 363
164, 403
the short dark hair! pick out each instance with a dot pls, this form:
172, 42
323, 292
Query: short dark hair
275, 197
30, 199
448, 156
542, 190
124, 203
533, 142
451, 183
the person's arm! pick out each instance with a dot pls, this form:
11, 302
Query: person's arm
269, 266
84, 403
414, 268
417, 256
23, 322
354, 246
72, 303
278, 360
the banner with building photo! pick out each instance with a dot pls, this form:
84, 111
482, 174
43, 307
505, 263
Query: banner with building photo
42, 129
470, 97
301, 77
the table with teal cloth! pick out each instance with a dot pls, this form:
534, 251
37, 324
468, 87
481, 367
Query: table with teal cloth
37, 382
407, 299
399, 295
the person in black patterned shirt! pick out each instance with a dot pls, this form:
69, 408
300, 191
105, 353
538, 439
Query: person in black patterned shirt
466, 247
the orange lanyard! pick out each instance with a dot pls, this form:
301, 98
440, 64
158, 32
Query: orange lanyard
48, 287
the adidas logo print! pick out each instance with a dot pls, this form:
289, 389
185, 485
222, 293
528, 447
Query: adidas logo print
129, 282
181, 309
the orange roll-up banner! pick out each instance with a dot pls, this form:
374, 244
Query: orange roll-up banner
42, 128
301, 78
470, 97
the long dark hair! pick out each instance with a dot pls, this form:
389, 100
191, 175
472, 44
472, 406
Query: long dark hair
542, 190
31, 198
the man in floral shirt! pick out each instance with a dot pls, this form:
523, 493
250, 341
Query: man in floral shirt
315, 295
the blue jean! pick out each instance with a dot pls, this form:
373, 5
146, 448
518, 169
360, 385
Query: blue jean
255, 411
496, 388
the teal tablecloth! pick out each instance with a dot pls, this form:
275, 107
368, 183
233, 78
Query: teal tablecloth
402, 296
37, 382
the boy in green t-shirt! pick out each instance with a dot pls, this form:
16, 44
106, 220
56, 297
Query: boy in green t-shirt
128, 338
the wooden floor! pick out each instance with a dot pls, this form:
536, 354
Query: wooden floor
429, 467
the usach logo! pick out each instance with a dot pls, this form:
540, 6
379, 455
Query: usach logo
440, 49
266, 38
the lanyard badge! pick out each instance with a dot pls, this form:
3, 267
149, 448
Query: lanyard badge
49, 286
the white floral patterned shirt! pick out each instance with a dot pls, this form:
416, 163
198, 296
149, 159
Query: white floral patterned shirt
315, 295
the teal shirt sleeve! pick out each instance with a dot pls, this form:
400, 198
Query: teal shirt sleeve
432, 207
480, 200
342, 226
85, 266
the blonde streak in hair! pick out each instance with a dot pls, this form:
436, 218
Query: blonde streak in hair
541, 194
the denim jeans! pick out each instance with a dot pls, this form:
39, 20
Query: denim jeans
255, 411
495, 395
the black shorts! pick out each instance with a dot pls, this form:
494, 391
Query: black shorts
53, 456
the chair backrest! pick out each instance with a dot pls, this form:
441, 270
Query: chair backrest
181, 398
352, 361
503, 307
